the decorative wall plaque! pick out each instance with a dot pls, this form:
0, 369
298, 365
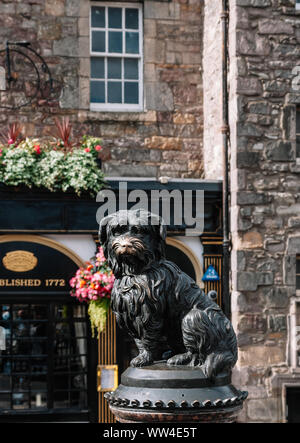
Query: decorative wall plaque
19, 261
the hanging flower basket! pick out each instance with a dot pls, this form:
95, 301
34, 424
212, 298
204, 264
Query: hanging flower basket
93, 285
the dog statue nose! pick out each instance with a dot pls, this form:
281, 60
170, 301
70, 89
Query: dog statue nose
125, 247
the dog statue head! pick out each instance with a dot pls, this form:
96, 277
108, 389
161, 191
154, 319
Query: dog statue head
132, 240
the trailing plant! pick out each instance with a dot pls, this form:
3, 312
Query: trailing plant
41, 164
93, 285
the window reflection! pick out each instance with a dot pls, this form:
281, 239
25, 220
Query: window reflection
43, 356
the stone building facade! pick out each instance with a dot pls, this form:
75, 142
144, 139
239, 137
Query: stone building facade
163, 140
264, 57
178, 135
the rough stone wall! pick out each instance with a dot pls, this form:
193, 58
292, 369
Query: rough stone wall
212, 90
165, 139
264, 51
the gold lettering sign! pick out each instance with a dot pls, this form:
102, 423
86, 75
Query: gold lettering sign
19, 261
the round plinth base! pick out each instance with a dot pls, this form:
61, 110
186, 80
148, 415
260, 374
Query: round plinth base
161, 394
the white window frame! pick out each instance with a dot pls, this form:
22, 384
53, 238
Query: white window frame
294, 332
119, 107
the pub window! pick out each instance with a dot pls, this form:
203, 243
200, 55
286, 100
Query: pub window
116, 57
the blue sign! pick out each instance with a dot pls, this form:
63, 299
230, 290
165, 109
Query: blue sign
211, 274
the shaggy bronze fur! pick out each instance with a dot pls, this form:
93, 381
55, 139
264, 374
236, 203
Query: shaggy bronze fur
160, 306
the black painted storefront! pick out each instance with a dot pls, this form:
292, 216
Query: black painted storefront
57, 382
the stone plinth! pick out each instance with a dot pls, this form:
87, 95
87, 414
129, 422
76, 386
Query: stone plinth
164, 394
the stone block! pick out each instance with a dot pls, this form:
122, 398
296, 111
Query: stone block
129, 170
269, 26
265, 278
67, 47
294, 222
164, 143
70, 94
250, 198
289, 269
252, 240
262, 108
248, 43
252, 322
248, 130
249, 86
154, 50
261, 355
246, 281
158, 97
263, 410
161, 10
73, 8
288, 210
277, 323
293, 245
84, 27
55, 7
49, 31
247, 159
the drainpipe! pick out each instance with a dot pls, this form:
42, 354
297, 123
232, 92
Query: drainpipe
225, 140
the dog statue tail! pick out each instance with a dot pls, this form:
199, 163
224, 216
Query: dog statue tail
209, 334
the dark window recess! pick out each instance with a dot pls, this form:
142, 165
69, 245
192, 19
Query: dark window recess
43, 361
298, 273
181, 260
298, 131
293, 404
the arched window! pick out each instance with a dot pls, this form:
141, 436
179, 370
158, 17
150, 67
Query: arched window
185, 258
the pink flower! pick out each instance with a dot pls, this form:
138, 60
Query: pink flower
98, 148
10, 141
87, 150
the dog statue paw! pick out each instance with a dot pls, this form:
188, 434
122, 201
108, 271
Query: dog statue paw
153, 299
181, 359
143, 359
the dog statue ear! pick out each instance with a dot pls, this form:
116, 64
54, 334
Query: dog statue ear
103, 230
161, 232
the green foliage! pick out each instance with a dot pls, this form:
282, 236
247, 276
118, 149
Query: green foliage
98, 313
33, 163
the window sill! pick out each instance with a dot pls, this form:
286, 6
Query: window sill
118, 116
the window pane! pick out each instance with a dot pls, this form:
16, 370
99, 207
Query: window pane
298, 121
298, 146
97, 92
298, 265
98, 41
132, 42
131, 69
98, 17
114, 68
131, 92
114, 92
132, 19
115, 41
115, 18
97, 67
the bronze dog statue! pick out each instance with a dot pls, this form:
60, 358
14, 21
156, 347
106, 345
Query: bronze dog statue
160, 306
